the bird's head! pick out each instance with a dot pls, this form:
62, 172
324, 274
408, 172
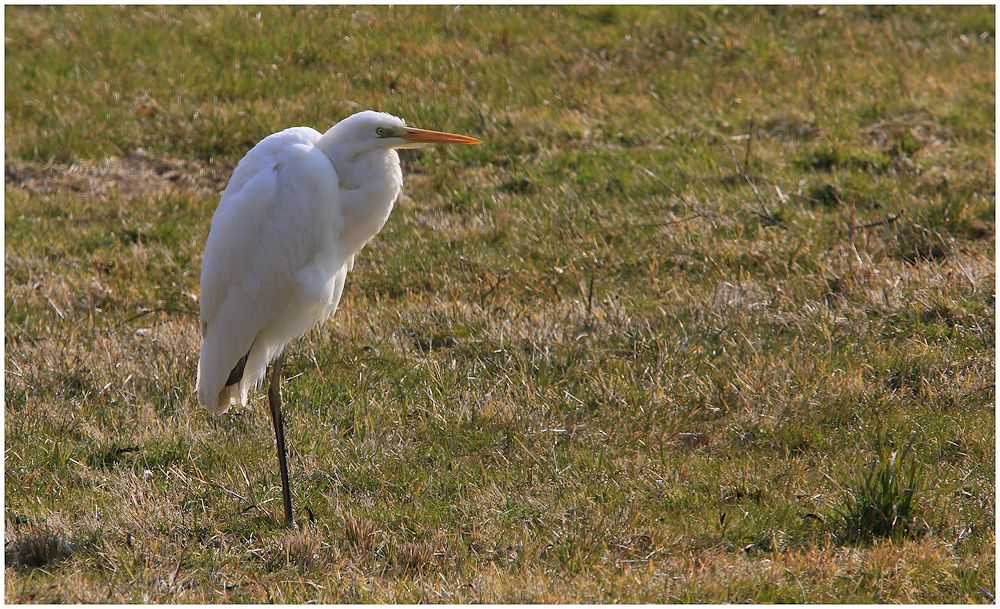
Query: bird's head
372, 130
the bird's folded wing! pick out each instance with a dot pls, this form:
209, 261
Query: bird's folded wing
255, 219
278, 213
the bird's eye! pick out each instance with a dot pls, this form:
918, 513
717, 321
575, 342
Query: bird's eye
380, 131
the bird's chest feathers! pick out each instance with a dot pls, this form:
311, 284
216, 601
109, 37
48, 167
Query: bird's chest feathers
369, 187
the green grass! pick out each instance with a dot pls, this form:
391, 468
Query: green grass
884, 500
498, 411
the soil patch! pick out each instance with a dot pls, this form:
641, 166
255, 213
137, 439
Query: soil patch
140, 174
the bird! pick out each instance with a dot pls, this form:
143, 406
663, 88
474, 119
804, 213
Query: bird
296, 212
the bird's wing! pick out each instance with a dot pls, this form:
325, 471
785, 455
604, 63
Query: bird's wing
250, 195
279, 212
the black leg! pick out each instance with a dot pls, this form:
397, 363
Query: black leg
274, 399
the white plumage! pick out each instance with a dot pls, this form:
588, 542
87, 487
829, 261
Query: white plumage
297, 210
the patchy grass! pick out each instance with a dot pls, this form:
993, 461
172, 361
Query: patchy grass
710, 264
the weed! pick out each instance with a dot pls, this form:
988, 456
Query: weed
359, 532
413, 557
882, 502
827, 195
38, 546
914, 243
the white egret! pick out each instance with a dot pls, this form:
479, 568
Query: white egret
297, 210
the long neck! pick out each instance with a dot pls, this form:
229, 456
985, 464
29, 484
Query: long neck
370, 182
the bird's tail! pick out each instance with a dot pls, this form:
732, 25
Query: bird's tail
217, 395
228, 397
213, 397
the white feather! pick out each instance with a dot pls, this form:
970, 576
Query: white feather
297, 210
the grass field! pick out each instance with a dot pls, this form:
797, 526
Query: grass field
667, 336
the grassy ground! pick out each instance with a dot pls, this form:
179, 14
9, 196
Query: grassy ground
710, 269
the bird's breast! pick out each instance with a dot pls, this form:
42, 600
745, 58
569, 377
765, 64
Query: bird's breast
367, 207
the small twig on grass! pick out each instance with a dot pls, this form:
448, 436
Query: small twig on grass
765, 214
853, 228
669, 188
157, 310
883, 222
590, 294
644, 559
180, 561
967, 274
55, 308
501, 277
528, 452
250, 504
693, 216
699, 210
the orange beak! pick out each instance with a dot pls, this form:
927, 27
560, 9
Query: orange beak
426, 136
